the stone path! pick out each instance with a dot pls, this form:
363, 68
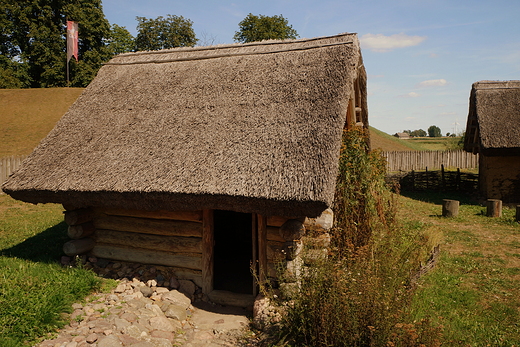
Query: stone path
139, 314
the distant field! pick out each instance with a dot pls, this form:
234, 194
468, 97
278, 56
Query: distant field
27, 116
435, 143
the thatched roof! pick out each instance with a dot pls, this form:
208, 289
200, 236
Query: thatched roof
493, 126
252, 128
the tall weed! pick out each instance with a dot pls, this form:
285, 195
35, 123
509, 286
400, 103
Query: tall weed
359, 295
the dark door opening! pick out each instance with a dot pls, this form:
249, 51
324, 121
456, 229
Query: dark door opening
233, 252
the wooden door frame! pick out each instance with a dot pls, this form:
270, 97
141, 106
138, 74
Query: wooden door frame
259, 238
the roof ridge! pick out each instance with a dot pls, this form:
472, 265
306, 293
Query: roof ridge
232, 45
159, 61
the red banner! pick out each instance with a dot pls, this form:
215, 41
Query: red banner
72, 40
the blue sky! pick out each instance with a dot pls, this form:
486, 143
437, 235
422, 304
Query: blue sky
421, 56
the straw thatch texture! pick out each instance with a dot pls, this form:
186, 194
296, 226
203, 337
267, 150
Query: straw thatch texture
251, 128
493, 126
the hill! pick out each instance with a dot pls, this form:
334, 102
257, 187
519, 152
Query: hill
27, 116
385, 142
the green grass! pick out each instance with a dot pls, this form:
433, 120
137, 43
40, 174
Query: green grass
35, 290
434, 143
474, 290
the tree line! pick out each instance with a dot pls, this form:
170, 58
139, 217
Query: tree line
433, 131
33, 39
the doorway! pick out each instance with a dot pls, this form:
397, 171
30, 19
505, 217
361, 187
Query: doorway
233, 252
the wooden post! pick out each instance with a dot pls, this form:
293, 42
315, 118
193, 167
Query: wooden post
494, 208
457, 182
517, 213
450, 208
207, 251
262, 248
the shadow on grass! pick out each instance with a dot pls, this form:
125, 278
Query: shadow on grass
46, 247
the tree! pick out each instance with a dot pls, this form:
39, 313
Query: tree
161, 33
33, 41
418, 133
120, 40
434, 131
258, 28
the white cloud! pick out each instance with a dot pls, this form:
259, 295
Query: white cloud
382, 43
433, 83
410, 95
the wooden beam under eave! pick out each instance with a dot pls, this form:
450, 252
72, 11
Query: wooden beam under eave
207, 251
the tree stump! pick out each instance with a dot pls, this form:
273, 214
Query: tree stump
517, 213
450, 208
494, 208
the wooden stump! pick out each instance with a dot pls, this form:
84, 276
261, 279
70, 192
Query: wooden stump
494, 208
450, 208
517, 213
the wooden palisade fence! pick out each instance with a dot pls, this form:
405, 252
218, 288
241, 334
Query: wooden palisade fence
422, 160
8, 165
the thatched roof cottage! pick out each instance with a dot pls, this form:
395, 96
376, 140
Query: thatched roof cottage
197, 158
493, 130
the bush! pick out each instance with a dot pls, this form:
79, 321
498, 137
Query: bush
359, 295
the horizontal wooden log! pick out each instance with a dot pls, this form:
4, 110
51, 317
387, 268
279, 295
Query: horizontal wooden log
190, 216
151, 242
80, 216
80, 231
149, 226
75, 247
145, 256
273, 234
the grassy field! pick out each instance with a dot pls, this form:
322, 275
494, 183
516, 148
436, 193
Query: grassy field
434, 143
474, 290
35, 290
27, 116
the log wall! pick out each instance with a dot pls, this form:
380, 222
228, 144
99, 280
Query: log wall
175, 239
149, 237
